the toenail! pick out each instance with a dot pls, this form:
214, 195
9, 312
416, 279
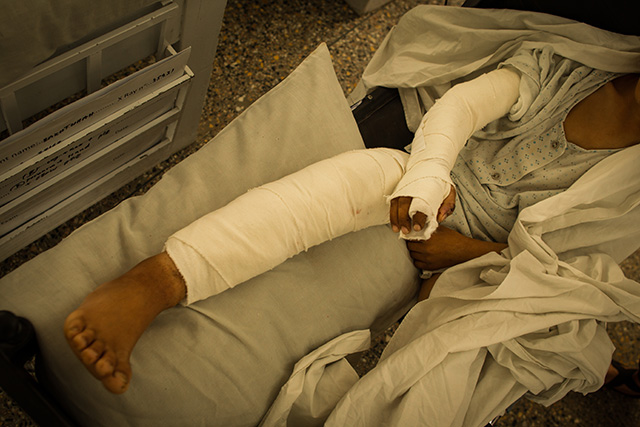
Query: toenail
104, 367
80, 341
123, 378
90, 354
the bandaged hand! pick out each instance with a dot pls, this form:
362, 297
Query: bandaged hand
447, 248
401, 220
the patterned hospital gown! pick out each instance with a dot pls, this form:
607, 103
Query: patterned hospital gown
498, 177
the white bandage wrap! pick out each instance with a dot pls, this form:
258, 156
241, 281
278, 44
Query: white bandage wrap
463, 110
269, 224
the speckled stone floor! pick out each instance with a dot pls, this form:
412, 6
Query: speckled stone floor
262, 41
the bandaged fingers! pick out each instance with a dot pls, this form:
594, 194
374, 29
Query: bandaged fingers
448, 205
401, 220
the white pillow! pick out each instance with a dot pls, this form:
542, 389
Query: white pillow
223, 360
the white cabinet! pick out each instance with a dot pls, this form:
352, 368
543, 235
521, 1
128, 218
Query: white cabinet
77, 155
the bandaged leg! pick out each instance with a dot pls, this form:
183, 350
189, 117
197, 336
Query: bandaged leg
269, 224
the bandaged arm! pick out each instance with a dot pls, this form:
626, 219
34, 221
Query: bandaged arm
463, 110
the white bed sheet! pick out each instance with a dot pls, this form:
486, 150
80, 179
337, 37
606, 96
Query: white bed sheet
528, 321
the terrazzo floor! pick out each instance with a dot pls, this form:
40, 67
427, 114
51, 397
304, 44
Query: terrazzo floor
260, 43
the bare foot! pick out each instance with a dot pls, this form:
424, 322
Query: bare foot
104, 329
622, 380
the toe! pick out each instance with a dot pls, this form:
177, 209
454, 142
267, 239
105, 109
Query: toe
117, 383
92, 353
73, 325
83, 339
105, 365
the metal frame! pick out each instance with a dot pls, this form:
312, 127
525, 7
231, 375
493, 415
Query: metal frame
15, 108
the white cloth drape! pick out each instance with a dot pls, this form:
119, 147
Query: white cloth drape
537, 310
529, 320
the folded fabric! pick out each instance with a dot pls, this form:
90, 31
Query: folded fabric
420, 57
529, 320
538, 310
323, 373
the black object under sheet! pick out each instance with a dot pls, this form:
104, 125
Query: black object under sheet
381, 119
619, 17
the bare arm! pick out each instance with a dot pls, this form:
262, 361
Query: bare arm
447, 248
444, 249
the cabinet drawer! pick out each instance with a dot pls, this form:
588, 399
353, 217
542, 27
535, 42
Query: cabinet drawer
24, 212
58, 155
